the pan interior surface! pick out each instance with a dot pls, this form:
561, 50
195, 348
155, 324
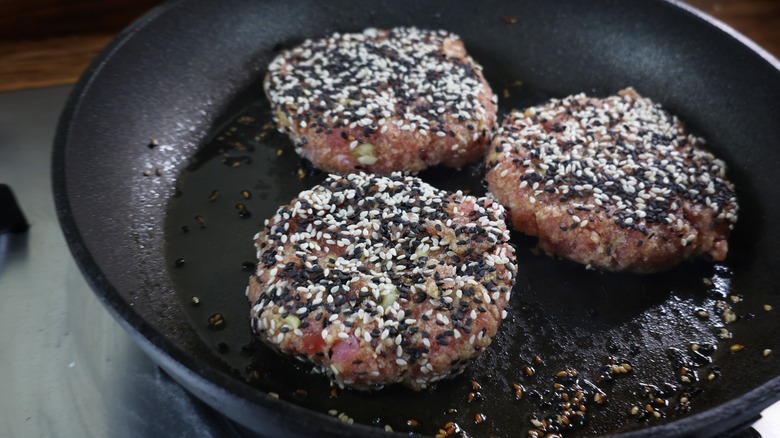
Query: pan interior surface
563, 317
198, 94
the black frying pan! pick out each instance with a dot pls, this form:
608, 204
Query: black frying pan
188, 74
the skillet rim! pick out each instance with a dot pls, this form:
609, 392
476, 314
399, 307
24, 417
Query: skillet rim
731, 414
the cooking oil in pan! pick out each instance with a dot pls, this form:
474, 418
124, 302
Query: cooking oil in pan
581, 352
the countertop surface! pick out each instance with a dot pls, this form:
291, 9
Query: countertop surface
67, 369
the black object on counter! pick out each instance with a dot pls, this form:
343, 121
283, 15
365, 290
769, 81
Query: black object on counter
11, 217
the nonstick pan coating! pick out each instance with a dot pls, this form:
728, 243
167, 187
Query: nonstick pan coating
186, 73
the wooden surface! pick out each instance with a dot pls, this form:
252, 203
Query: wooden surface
51, 42
758, 20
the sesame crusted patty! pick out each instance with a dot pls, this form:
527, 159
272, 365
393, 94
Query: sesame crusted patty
614, 183
378, 280
382, 101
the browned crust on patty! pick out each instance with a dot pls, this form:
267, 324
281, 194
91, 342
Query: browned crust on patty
383, 100
616, 183
398, 282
